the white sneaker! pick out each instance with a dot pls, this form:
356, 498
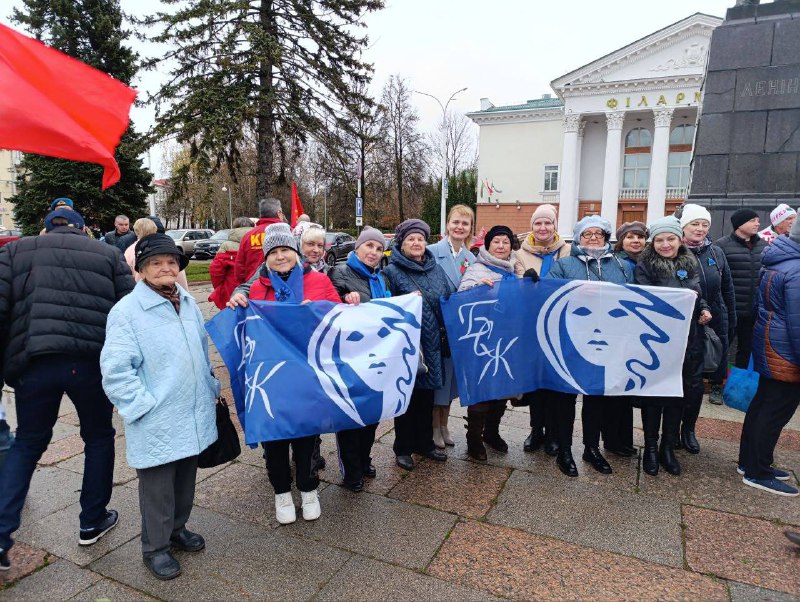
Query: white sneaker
311, 507
284, 508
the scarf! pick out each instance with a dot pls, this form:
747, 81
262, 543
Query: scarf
504, 275
320, 266
170, 293
694, 245
547, 263
376, 286
288, 287
595, 253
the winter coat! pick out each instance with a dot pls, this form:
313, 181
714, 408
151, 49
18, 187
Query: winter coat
624, 256
745, 264
480, 269
580, 266
776, 336
716, 284
407, 276
157, 373
55, 294
531, 255
654, 270
346, 280
234, 239
122, 242
222, 268
454, 267
251, 252
316, 287
130, 259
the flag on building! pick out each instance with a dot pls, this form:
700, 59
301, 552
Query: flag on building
297, 206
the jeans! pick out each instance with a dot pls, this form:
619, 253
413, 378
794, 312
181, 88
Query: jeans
38, 393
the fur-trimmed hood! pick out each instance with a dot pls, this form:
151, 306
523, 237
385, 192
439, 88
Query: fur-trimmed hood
665, 268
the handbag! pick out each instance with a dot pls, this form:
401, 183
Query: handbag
741, 387
226, 447
712, 351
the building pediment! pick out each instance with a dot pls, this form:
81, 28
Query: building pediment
677, 52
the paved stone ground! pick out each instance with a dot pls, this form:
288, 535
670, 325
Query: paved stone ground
513, 527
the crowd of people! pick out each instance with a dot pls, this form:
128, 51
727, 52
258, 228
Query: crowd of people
112, 324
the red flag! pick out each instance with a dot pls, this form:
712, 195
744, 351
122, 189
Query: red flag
52, 104
297, 206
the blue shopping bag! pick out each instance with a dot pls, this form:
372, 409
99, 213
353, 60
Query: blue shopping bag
741, 387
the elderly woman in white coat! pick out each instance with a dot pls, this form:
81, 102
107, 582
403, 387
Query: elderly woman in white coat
452, 253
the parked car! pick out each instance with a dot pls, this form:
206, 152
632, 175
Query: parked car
187, 239
7, 236
337, 247
207, 249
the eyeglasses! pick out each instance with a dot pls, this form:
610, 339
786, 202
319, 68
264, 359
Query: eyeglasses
588, 235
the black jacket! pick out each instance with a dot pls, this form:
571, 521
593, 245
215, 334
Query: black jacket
121, 242
717, 286
346, 280
55, 294
745, 266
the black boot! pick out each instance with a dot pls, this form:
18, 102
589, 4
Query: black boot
476, 419
666, 455
491, 430
651, 423
534, 441
593, 456
566, 463
689, 440
551, 448
650, 457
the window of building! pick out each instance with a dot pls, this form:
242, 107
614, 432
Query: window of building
636, 166
680, 156
550, 178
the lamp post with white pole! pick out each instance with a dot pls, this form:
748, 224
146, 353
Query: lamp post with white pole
230, 205
443, 217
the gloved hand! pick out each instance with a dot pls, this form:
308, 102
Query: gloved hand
532, 274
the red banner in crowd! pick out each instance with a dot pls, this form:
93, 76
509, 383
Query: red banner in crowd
297, 206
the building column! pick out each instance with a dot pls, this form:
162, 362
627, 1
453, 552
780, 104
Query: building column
611, 170
578, 153
657, 191
568, 201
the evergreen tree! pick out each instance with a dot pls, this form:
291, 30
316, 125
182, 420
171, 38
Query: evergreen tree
91, 31
462, 189
278, 68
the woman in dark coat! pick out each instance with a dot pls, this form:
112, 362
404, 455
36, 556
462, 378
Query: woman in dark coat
359, 280
412, 268
667, 262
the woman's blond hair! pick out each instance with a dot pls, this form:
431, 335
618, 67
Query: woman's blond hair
463, 210
144, 227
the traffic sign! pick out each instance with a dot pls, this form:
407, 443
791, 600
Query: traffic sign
359, 207
359, 221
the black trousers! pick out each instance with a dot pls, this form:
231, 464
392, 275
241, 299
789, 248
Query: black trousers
542, 413
413, 431
592, 413
304, 450
166, 495
617, 422
563, 411
773, 406
652, 418
355, 446
744, 340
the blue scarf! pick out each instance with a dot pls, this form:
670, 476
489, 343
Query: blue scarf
505, 275
547, 263
291, 289
376, 287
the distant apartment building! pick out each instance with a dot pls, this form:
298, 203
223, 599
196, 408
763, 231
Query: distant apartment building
9, 161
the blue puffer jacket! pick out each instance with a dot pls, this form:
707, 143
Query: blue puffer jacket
580, 266
408, 276
776, 336
156, 371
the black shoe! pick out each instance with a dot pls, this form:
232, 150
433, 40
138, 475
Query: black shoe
495, 441
355, 487
551, 448
405, 462
370, 472
593, 456
476, 449
5, 563
666, 456
792, 536
436, 455
534, 441
163, 565
187, 541
622, 452
689, 441
630, 450
650, 459
321, 463
89, 536
566, 463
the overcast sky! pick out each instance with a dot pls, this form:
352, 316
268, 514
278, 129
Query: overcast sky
505, 50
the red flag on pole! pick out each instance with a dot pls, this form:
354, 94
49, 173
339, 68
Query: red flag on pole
297, 206
55, 105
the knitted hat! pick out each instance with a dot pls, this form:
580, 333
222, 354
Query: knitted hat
409, 226
623, 230
546, 210
278, 235
157, 244
666, 225
780, 213
497, 231
591, 221
62, 202
794, 233
74, 219
369, 233
692, 212
742, 216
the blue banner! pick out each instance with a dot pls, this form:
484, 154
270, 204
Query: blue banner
322, 367
574, 336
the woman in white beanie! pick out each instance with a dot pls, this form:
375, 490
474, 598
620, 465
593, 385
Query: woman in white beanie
781, 220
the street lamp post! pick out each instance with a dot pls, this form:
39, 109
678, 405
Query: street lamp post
230, 206
443, 216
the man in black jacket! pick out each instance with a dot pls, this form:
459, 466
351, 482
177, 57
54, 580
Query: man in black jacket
743, 250
55, 294
121, 236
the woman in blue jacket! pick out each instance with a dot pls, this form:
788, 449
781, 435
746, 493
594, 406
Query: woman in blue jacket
591, 259
157, 373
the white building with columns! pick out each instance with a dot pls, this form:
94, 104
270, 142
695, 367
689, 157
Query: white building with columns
616, 139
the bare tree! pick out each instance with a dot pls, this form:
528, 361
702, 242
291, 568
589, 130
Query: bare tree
458, 138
